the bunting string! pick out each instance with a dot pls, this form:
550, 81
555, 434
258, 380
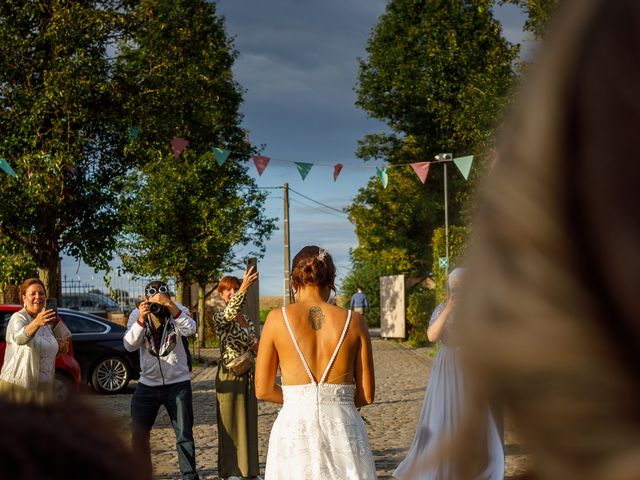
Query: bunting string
261, 162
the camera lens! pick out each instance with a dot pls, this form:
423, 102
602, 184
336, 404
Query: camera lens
155, 308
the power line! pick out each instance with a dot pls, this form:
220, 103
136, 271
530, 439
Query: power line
316, 208
316, 201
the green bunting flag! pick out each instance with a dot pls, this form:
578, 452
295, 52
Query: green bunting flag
4, 165
221, 155
464, 165
304, 168
382, 175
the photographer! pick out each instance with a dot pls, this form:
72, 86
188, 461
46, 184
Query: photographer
156, 329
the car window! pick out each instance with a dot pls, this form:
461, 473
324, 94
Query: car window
82, 325
4, 321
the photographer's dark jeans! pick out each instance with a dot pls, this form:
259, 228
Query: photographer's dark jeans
177, 399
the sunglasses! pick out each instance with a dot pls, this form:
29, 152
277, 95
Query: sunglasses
151, 291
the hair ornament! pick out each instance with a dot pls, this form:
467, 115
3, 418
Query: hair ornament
322, 254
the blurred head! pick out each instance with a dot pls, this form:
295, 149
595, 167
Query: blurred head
550, 316
313, 266
58, 441
227, 287
33, 294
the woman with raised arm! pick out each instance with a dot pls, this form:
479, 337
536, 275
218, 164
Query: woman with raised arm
236, 403
324, 355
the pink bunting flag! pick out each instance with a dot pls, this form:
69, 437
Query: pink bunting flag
337, 168
421, 169
261, 162
178, 145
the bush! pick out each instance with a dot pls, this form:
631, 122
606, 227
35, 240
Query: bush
420, 303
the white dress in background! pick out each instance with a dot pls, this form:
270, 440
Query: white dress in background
319, 433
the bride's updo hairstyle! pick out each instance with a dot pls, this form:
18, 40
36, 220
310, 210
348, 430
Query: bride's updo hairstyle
313, 266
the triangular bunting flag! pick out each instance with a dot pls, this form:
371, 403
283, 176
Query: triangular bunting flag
221, 154
133, 133
464, 165
261, 162
4, 165
382, 175
421, 169
337, 168
178, 145
303, 168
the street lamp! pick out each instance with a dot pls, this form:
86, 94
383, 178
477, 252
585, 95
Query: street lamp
444, 158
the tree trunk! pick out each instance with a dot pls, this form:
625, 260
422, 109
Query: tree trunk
49, 273
201, 315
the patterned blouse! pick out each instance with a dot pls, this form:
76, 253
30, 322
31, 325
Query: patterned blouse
234, 339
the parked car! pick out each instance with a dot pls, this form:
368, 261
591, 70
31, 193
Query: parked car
68, 375
90, 302
99, 349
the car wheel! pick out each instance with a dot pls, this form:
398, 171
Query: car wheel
63, 387
110, 375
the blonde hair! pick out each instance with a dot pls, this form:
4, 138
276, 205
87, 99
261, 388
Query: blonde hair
549, 326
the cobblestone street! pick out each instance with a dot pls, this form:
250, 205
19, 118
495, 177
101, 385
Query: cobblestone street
401, 376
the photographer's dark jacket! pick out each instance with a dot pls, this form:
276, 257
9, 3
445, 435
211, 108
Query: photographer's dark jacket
161, 370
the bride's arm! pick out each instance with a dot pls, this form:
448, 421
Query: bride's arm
363, 372
267, 363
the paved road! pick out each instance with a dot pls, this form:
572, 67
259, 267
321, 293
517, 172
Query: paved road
401, 376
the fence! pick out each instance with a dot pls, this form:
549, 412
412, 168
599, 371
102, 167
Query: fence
125, 290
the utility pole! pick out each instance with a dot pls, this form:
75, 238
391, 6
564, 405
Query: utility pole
444, 158
286, 297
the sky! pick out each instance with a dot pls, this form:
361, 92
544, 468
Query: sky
298, 65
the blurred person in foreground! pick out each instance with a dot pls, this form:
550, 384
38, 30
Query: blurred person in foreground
236, 403
326, 365
64, 440
550, 314
155, 329
34, 338
444, 403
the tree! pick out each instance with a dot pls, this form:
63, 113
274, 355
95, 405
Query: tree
185, 215
539, 13
438, 73
60, 131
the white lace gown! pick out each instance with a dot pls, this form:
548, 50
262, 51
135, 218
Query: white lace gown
319, 434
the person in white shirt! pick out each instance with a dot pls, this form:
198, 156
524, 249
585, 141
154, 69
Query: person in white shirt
156, 329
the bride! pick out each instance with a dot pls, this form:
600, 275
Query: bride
325, 360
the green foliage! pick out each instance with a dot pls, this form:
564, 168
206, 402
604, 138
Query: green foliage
420, 304
539, 13
392, 226
438, 74
457, 245
60, 130
185, 215
15, 265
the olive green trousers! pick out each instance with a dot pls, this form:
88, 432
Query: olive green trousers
237, 418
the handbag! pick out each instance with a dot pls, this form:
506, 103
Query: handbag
242, 363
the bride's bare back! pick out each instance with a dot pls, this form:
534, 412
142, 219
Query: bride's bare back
317, 327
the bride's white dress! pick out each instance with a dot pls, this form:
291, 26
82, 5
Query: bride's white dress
319, 434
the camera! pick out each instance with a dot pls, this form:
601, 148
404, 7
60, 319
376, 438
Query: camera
159, 310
